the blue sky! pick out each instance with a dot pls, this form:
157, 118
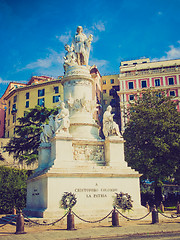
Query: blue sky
34, 32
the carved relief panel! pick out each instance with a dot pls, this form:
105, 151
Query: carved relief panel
89, 153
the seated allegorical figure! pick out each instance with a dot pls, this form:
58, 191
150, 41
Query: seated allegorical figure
110, 128
48, 130
62, 122
70, 58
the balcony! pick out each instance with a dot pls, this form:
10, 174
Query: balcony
14, 111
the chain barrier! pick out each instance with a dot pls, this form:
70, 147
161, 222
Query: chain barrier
100, 220
133, 219
45, 224
8, 222
168, 216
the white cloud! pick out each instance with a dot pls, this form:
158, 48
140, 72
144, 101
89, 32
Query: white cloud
98, 63
52, 59
5, 81
173, 53
99, 26
64, 38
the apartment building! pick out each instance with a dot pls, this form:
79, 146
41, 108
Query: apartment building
141, 74
110, 87
42, 91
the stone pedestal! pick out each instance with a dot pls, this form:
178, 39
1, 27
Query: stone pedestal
61, 151
78, 96
114, 151
44, 155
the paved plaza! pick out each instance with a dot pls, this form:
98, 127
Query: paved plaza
94, 231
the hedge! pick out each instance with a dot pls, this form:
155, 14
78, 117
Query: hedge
13, 188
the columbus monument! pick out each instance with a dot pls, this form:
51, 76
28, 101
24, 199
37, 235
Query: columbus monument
72, 156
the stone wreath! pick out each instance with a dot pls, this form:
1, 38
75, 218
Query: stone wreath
68, 200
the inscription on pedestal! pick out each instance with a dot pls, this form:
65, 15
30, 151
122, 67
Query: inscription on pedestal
95, 192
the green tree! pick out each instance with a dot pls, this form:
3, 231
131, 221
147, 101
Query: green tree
152, 137
24, 145
12, 188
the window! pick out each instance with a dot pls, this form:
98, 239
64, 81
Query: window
112, 81
41, 102
27, 95
14, 118
171, 81
15, 98
27, 104
131, 85
56, 98
41, 92
131, 97
9, 103
14, 131
104, 91
157, 82
8, 134
104, 82
56, 89
143, 84
8, 122
172, 93
14, 107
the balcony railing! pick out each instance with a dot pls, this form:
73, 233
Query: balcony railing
150, 71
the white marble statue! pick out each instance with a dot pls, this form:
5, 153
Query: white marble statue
81, 46
70, 58
48, 130
62, 122
110, 128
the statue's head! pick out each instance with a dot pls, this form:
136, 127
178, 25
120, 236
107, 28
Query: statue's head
62, 105
67, 47
109, 108
79, 29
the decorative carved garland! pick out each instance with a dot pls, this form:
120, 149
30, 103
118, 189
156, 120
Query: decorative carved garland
68, 200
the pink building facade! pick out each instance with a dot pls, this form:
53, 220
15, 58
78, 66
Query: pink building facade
141, 74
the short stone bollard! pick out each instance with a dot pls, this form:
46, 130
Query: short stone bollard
70, 221
155, 217
178, 208
115, 219
147, 206
14, 211
20, 223
161, 207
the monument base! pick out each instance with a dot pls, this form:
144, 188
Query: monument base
95, 192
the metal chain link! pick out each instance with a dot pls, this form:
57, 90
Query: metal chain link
92, 221
8, 221
45, 224
133, 219
167, 216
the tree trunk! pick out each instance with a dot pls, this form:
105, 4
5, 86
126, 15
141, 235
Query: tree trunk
158, 195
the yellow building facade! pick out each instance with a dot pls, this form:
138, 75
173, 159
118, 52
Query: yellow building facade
46, 93
110, 87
